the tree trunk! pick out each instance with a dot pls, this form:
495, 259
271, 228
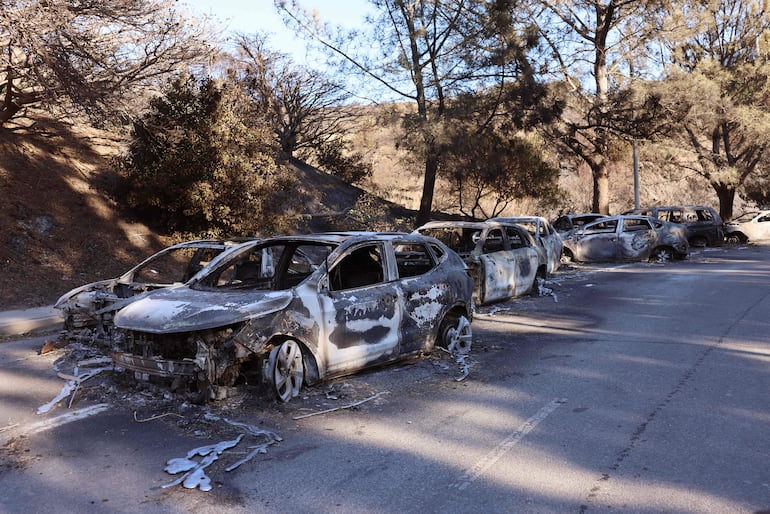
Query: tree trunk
726, 195
9, 107
428, 186
601, 198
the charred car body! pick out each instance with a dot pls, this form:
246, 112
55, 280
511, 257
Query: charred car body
88, 310
566, 223
547, 239
300, 309
703, 224
503, 257
627, 238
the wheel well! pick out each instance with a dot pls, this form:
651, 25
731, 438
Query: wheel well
454, 314
737, 233
699, 241
309, 358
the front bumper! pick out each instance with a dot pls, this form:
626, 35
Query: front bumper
154, 366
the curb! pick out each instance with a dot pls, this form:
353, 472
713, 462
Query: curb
30, 321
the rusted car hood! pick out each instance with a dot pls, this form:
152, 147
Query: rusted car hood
186, 310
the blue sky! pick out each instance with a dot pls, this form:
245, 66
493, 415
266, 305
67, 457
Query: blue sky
250, 16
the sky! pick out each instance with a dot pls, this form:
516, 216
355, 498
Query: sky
250, 16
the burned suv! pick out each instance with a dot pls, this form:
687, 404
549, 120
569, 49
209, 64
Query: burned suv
298, 310
703, 224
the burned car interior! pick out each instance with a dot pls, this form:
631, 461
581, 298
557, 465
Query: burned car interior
463, 240
271, 268
362, 267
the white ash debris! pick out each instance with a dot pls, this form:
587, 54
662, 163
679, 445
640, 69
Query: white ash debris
195, 471
544, 290
76, 378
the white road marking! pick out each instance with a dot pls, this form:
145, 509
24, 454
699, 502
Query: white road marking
471, 474
71, 416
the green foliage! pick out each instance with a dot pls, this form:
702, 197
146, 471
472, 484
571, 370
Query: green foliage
336, 159
199, 164
489, 170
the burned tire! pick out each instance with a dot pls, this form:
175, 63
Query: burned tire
662, 254
286, 370
735, 238
455, 333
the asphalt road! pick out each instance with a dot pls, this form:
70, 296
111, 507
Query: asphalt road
633, 388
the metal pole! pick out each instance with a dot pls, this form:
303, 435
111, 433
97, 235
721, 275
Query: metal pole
636, 177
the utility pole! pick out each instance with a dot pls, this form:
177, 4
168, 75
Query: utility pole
634, 145
636, 174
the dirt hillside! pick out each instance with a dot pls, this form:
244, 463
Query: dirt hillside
62, 229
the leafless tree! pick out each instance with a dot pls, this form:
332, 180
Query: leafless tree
90, 55
304, 107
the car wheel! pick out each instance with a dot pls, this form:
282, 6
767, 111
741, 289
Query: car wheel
661, 254
286, 370
455, 334
698, 242
734, 238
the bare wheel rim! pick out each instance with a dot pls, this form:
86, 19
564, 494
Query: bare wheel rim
662, 255
458, 337
288, 372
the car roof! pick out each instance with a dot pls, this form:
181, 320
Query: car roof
342, 236
622, 216
516, 219
468, 224
582, 214
668, 207
213, 243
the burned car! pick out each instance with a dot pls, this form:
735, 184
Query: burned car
547, 239
88, 309
503, 256
627, 238
703, 224
298, 310
566, 223
748, 227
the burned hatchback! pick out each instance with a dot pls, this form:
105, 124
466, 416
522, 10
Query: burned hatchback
503, 257
88, 310
298, 310
627, 238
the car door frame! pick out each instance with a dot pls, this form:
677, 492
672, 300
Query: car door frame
362, 324
635, 244
588, 244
